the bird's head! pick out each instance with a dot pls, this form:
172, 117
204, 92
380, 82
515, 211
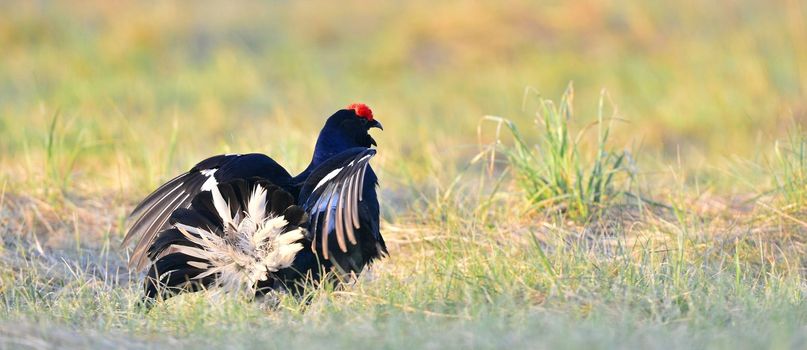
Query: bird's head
349, 128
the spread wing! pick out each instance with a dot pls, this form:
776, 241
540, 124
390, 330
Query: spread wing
331, 196
152, 214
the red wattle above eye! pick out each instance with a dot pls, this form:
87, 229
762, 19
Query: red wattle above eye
362, 110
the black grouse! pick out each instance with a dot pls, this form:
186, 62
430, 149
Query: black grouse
242, 223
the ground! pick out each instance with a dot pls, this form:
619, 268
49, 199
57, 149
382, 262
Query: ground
672, 216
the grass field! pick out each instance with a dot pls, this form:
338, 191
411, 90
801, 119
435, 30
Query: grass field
658, 201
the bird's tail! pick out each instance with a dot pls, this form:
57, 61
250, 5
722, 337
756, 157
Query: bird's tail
230, 238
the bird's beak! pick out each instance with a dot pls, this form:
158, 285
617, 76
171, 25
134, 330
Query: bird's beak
376, 124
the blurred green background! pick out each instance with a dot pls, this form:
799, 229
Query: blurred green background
147, 88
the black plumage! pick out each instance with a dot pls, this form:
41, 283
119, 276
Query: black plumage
333, 200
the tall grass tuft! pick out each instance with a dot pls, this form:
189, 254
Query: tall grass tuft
558, 173
790, 168
63, 147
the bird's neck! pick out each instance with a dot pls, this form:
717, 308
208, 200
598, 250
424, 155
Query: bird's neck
328, 145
